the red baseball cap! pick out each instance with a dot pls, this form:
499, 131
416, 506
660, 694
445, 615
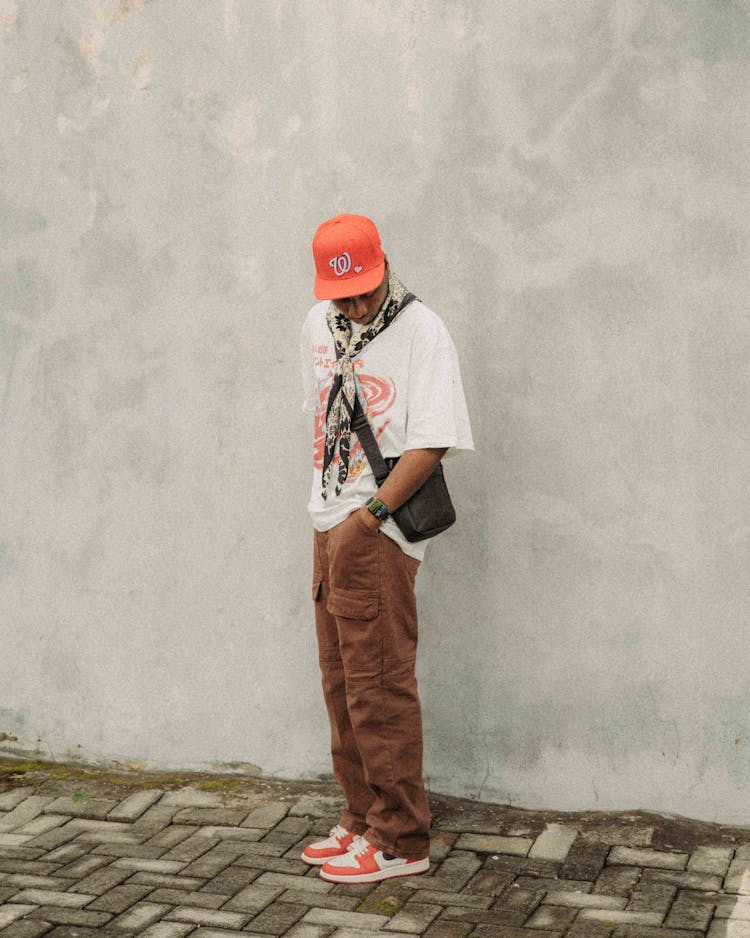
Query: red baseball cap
348, 257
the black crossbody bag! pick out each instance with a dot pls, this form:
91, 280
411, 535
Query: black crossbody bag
429, 511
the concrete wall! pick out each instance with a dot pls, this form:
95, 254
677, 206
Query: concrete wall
567, 184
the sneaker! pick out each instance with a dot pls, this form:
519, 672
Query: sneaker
338, 841
366, 864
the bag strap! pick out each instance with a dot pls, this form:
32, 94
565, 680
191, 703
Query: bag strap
361, 426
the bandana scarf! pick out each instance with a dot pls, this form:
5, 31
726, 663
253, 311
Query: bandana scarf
344, 389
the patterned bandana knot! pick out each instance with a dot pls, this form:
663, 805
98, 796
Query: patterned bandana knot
343, 394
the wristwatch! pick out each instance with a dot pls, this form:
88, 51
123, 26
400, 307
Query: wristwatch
377, 508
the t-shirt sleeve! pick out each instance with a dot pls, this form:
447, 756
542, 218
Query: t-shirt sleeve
437, 415
308, 370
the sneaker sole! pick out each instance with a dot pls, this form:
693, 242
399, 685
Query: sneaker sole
413, 869
319, 861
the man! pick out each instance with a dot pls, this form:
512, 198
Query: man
367, 339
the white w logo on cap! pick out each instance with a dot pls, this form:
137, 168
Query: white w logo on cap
341, 264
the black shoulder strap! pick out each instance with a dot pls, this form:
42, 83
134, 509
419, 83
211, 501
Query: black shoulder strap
361, 426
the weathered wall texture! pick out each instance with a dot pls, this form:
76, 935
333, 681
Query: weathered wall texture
567, 184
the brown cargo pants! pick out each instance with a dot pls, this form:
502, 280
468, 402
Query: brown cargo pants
366, 621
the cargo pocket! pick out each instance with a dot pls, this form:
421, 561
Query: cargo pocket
317, 583
354, 603
360, 630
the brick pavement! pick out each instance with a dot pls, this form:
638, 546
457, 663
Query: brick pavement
171, 863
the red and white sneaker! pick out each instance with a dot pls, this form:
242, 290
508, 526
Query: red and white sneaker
338, 841
364, 863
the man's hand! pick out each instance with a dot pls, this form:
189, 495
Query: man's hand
369, 518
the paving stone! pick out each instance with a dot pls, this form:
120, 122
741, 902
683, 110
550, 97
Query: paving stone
714, 860
202, 900
83, 866
12, 911
273, 864
172, 836
139, 917
43, 824
441, 844
729, 928
109, 837
69, 900
86, 808
217, 816
453, 873
285, 881
101, 881
155, 819
552, 885
583, 929
60, 915
278, 918
211, 863
149, 866
30, 852
135, 805
266, 816
489, 883
192, 798
651, 897
254, 898
230, 833
621, 835
128, 851
519, 899
523, 866
508, 931
497, 917
321, 900
120, 898
225, 933
683, 880
742, 852
585, 900
585, 860
207, 917
25, 811
658, 859
229, 881
55, 838
553, 843
621, 917
26, 928
414, 918
455, 898
14, 840
488, 843
358, 920
24, 881
738, 877
735, 907
368, 933
309, 931
551, 916
617, 880
690, 913
11, 799
67, 853
167, 930
448, 930
168, 881
645, 931
33, 867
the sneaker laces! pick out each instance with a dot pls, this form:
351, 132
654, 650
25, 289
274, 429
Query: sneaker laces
338, 832
359, 846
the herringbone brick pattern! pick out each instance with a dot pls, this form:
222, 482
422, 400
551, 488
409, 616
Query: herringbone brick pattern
167, 864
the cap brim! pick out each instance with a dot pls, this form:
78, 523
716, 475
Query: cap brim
349, 286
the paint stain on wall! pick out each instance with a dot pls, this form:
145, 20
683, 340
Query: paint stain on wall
8, 14
141, 72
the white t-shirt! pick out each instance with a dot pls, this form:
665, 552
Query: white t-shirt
409, 378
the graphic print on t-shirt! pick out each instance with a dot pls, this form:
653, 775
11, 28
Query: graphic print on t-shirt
379, 396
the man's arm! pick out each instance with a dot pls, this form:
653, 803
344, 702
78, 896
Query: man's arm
411, 471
